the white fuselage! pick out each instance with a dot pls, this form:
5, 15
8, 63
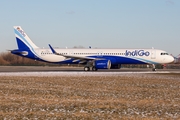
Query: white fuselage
149, 56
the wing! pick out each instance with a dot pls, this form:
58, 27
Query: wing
77, 58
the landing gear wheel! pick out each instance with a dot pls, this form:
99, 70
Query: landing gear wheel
86, 68
154, 67
94, 68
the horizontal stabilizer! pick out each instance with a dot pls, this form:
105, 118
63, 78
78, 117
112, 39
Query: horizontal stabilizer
24, 53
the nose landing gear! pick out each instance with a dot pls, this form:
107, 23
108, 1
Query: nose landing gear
154, 67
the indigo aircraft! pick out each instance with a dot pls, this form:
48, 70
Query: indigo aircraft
92, 59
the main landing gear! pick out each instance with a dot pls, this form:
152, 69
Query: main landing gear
90, 66
94, 68
87, 68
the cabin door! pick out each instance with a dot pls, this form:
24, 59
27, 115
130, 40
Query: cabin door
153, 54
71, 53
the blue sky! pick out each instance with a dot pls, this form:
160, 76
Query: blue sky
96, 23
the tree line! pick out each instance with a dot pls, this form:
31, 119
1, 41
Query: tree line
6, 58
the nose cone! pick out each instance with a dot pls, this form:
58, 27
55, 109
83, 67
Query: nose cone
170, 59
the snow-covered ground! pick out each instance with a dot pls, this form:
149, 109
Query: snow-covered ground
50, 96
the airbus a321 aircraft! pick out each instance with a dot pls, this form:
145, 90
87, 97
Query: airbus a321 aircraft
93, 59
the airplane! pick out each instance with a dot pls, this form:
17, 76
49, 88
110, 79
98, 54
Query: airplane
92, 59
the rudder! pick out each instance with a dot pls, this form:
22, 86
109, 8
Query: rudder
23, 41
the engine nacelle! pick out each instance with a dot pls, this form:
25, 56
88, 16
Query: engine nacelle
102, 64
115, 66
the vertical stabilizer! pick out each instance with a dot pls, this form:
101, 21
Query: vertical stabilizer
23, 41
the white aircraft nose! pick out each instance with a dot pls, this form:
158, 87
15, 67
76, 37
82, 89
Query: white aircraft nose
170, 59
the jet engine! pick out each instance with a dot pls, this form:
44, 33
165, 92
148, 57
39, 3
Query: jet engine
102, 64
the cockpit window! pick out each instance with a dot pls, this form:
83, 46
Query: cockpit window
164, 53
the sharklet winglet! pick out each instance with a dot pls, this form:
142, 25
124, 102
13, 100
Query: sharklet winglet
53, 51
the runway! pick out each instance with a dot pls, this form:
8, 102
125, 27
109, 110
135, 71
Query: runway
74, 71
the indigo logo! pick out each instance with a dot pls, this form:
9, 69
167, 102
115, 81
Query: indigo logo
21, 31
137, 53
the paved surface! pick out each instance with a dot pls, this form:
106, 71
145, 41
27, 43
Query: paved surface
73, 69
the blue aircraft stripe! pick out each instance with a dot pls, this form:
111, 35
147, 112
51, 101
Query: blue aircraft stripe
27, 43
22, 37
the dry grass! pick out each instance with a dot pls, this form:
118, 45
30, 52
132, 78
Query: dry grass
88, 97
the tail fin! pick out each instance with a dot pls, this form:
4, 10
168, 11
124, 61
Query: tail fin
23, 41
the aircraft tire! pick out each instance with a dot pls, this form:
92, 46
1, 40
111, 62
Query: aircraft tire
94, 68
86, 68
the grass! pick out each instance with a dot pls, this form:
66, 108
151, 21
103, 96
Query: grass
90, 97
